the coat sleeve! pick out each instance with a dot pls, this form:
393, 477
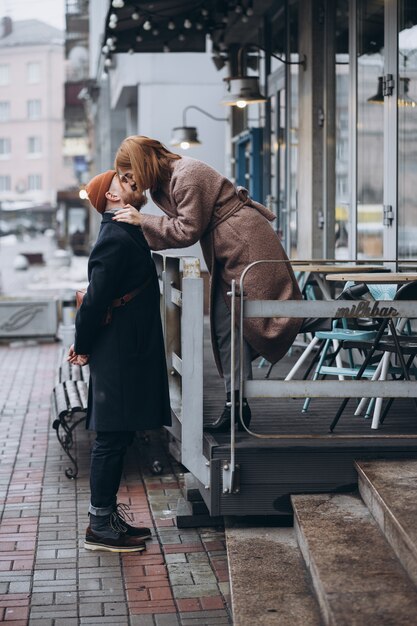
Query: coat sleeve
106, 267
194, 211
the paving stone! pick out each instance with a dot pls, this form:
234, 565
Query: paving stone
167, 620
43, 504
93, 609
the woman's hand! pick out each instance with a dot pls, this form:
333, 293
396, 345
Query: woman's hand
128, 214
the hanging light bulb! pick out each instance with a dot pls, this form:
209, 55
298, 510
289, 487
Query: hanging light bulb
109, 41
187, 23
181, 37
139, 38
105, 49
199, 26
238, 9
118, 4
166, 48
131, 51
147, 25
113, 17
155, 32
107, 62
135, 15
171, 25
112, 24
204, 12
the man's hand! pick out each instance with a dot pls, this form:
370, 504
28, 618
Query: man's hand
77, 359
129, 215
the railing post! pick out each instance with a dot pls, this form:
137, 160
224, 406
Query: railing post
192, 321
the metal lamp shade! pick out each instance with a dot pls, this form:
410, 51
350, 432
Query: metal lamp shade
244, 90
184, 136
378, 98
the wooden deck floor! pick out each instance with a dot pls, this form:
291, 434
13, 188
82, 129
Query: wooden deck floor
284, 416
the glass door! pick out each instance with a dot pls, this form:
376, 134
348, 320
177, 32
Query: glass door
407, 129
284, 153
370, 128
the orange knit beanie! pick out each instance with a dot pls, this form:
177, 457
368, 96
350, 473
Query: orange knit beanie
97, 187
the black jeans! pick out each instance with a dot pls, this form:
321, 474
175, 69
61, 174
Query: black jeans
107, 455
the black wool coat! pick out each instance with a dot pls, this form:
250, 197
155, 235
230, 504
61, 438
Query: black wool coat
128, 386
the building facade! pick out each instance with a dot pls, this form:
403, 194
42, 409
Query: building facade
32, 166
326, 138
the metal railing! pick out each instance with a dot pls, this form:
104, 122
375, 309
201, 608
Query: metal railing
391, 309
182, 313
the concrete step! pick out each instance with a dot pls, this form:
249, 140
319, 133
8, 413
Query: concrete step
356, 575
389, 489
269, 583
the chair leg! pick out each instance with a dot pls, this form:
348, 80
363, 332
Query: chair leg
378, 404
314, 360
302, 358
323, 355
362, 403
317, 373
358, 376
391, 400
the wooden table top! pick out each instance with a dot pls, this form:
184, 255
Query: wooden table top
330, 269
374, 277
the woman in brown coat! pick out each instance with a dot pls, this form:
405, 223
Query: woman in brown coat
200, 204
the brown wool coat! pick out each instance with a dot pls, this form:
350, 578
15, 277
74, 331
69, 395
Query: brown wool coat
202, 205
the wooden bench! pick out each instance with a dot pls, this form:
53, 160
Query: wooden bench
69, 406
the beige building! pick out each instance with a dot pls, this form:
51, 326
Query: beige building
32, 76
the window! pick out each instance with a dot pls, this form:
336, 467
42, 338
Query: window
5, 147
34, 145
4, 111
34, 182
34, 109
33, 73
5, 183
4, 74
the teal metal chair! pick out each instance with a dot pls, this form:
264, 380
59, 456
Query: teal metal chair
354, 331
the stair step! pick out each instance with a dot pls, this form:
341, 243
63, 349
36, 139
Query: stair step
356, 575
389, 489
269, 583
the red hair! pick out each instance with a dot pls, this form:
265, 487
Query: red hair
148, 159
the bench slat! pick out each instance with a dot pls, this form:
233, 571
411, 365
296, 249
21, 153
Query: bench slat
75, 372
82, 388
64, 371
73, 397
61, 401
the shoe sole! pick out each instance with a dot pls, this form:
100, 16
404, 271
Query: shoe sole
142, 537
97, 546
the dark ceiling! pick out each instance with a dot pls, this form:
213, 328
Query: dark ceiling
181, 25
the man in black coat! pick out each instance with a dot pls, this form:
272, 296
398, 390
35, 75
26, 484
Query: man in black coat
119, 333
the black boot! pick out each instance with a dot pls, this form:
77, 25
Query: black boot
106, 532
122, 512
222, 423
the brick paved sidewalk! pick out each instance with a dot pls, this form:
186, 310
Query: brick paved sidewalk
47, 578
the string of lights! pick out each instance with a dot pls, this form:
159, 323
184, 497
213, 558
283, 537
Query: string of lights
135, 26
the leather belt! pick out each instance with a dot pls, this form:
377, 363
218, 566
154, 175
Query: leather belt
124, 300
129, 296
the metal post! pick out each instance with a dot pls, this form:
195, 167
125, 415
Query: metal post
192, 320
